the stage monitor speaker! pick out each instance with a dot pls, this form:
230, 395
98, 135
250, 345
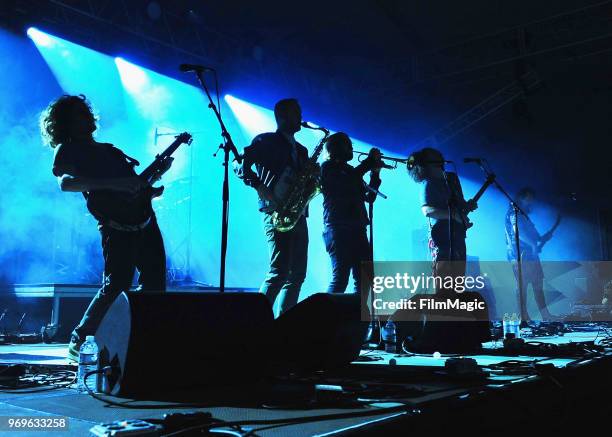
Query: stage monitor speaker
463, 332
323, 331
160, 342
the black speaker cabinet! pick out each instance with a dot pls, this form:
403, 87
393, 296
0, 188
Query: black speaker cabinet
321, 332
427, 331
159, 342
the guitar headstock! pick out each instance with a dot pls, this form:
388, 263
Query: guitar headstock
184, 138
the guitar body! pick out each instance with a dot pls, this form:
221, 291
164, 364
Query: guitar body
134, 209
528, 254
122, 208
467, 222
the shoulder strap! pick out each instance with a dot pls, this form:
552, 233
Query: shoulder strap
132, 161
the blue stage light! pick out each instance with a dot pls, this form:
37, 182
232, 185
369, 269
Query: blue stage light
133, 77
40, 38
252, 119
80, 70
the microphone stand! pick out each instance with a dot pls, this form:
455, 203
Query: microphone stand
451, 201
450, 205
227, 146
373, 322
517, 242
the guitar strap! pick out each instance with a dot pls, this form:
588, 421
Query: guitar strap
133, 162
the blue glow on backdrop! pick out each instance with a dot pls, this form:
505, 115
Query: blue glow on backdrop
29, 231
48, 237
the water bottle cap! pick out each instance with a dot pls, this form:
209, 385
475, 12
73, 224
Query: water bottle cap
90, 338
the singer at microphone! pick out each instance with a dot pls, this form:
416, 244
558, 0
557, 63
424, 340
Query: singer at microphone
443, 205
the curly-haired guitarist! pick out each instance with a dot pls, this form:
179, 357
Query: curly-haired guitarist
82, 164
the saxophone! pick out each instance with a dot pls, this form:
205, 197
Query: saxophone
305, 185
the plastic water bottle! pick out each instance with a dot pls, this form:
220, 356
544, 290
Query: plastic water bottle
507, 327
389, 337
515, 321
88, 362
373, 334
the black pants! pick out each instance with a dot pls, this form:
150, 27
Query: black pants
532, 274
448, 261
124, 252
347, 247
288, 260
440, 243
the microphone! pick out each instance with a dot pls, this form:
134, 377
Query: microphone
186, 68
309, 126
475, 160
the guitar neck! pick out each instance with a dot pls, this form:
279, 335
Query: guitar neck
553, 229
152, 168
171, 149
482, 190
555, 226
550, 232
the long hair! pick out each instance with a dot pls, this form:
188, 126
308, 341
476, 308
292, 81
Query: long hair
419, 163
55, 120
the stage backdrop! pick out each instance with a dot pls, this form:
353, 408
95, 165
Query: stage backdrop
48, 236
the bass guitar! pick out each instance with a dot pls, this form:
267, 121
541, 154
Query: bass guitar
545, 238
528, 252
133, 211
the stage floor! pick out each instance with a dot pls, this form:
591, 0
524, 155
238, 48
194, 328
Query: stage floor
388, 380
55, 354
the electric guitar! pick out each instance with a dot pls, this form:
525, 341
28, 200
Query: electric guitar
464, 213
528, 253
545, 238
135, 209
